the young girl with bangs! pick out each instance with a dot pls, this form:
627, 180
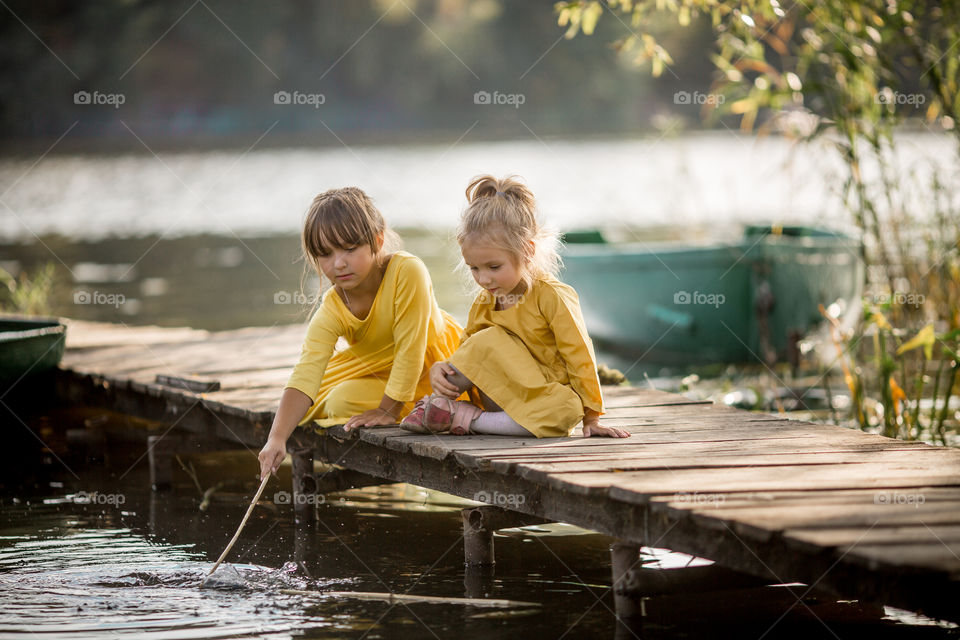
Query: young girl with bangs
525, 358
383, 304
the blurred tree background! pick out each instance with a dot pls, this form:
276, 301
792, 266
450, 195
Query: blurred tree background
205, 71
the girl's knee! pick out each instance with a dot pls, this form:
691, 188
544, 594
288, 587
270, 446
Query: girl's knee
460, 381
352, 397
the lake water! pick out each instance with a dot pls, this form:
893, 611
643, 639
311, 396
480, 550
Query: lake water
712, 178
209, 239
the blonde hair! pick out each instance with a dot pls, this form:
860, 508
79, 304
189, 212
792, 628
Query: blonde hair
503, 213
343, 218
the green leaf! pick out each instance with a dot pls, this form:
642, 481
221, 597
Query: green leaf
951, 335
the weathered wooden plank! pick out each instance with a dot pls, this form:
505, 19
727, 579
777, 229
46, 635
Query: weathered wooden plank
806, 498
532, 468
198, 359
847, 537
490, 446
864, 515
616, 451
82, 334
642, 395
937, 556
638, 486
703, 422
192, 383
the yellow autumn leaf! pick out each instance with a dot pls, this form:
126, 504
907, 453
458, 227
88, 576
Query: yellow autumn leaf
590, 16
657, 66
897, 395
881, 321
744, 105
924, 338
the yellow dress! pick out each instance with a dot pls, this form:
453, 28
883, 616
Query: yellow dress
388, 352
535, 359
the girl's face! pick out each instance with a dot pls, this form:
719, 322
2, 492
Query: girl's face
495, 270
352, 268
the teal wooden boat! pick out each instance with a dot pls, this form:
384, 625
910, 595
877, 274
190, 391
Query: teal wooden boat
29, 346
733, 302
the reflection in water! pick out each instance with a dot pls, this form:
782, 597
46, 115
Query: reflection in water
206, 282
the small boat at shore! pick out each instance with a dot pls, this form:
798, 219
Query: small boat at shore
749, 300
29, 346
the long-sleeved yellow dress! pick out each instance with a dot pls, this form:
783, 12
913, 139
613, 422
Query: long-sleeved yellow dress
535, 359
389, 352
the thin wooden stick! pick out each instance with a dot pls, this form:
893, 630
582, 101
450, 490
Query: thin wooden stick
253, 503
396, 598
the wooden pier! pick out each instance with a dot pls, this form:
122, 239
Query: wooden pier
860, 515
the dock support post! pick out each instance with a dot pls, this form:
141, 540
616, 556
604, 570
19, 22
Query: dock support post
479, 523
160, 452
477, 539
624, 558
304, 483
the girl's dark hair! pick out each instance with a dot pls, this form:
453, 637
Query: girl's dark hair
339, 219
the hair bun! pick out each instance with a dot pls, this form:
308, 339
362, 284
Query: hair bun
511, 187
485, 186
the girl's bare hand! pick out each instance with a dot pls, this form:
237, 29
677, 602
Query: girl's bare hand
438, 379
596, 429
371, 418
271, 456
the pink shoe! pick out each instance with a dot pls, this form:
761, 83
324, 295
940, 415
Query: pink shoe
443, 414
414, 420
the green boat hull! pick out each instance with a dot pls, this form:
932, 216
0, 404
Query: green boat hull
29, 347
736, 302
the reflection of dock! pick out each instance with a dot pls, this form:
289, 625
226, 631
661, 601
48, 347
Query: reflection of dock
861, 515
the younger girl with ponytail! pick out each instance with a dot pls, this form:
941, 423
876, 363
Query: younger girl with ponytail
525, 358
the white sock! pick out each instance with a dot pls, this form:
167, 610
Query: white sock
497, 423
